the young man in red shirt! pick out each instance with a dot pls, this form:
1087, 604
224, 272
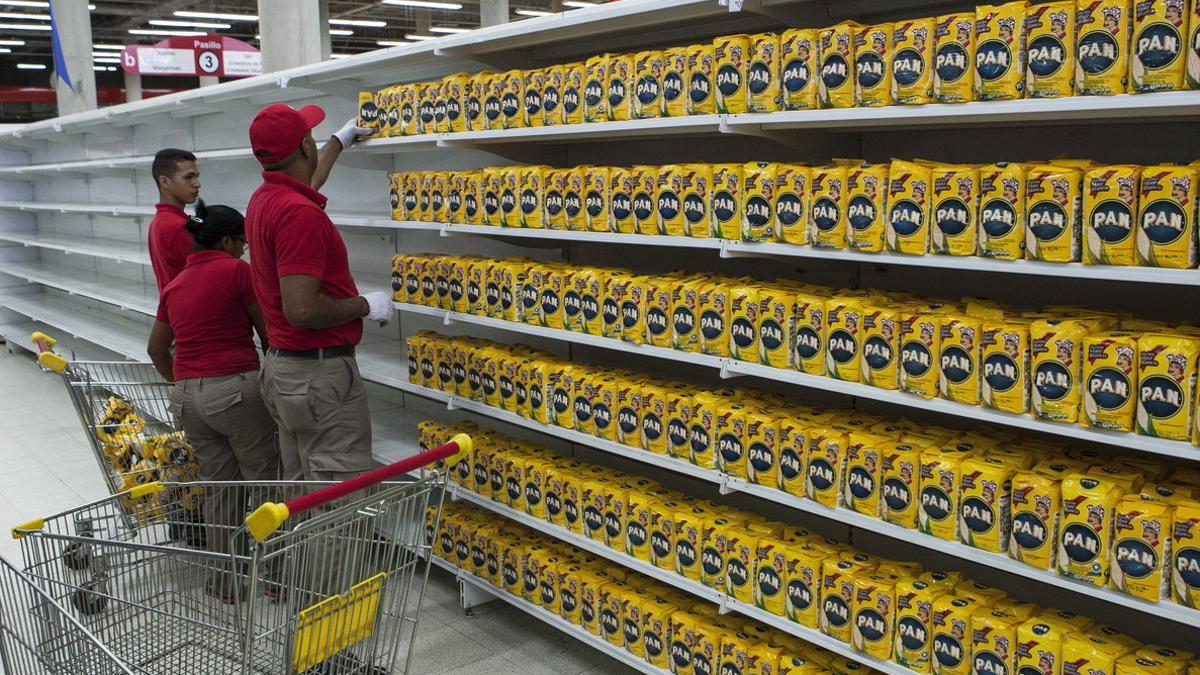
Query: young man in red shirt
313, 309
178, 179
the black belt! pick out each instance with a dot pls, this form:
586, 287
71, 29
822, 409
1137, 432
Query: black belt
316, 354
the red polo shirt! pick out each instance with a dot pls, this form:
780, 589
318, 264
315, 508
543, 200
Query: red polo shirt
170, 244
289, 233
206, 308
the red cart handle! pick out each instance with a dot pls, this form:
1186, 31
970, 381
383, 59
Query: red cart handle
268, 517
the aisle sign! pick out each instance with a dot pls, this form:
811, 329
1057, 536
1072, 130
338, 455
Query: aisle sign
211, 56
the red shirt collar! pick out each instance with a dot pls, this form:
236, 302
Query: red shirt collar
205, 256
304, 189
171, 209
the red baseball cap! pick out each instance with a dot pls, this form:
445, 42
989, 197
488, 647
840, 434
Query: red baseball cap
278, 130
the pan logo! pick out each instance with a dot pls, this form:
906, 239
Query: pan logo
653, 644
648, 89
652, 427
771, 334
769, 582
643, 206
571, 511
554, 202
978, 515
590, 307
700, 88
789, 209
660, 545
677, 432
554, 504
1046, 55
729, 80
913, 633
957, 364
570, 100
1081, 543
1163, 221
712, 324
869, 67
906, 217
758, 211
1029, 530
724, 206
799, 595
1109, 388
583, 409
730, 447
834, 71
861, 212
693, 208
796, 75
1052, 379
474, 108
593, 93
820, 474
684, 320
988, 662
700, 439
872, 626
635, 533
407, 112
681, 655
952, 216
877, 352
1161, 396
672, 85
935, 502
950, 62
736, 570
1000, 371
808, 343
861, 483
610, 310
685, 553
915, 358
790, 464
668, 205
759, 77
826, 214
601, 416
1158, 45
1047, 220
616, 91
492, 108
1136, 558
993, 59
1112, 220
572, 304
453, 109
842, 346
743, 332
622, 206
896, 494
762, 458
1187, 567
1098, 51
908, 65
510, 105
948, 650
550, 98
837, 611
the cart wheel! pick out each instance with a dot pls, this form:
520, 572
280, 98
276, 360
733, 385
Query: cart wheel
77, 556
87, 599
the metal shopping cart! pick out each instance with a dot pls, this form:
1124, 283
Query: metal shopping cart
125, 408
335, 593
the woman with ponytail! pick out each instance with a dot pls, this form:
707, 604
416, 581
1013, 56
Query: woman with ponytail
210, 314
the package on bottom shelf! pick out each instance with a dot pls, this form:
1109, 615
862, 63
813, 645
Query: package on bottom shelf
927, 621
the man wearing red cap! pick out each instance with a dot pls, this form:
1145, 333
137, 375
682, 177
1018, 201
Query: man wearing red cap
313, 310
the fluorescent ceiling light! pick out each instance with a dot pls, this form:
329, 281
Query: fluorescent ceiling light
26, 17
340, 56
414, 36
214, 15
5, 50
578, 3
363, 23
12, 43
427, 4
340, 31
171, 33
112, 47
101, 69
24, 3
449, 31
31, 66
24, 26
391, 43
533, 12
187, 24
94, 60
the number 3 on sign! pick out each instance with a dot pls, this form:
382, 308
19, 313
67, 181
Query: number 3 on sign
209, 62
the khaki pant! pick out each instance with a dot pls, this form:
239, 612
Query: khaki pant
233, 437
323, 416
324, 435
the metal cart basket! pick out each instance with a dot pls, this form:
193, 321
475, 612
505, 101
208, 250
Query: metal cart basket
336, 592
125, 408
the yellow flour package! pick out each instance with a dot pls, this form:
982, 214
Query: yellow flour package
953, 54
1110, 204
880, 344
1050, 49
595, 89
1035, 508
827, 225
620, 84
1000, 51
1052, 213
701, 99
1141, 549
791, 203
872, 65
908, 207
843, 330
920, 340
912, 61
1102, 29
955, 204
696, 196
836, 54
726, 208
1166, 385
674, 82
797, 59
1088, 519
647, 89
809, 342
1002, 211
867, 185
730, 56
1158, 61
762, 75
984, 514
758, 196
1056, 348
959, 359
1185, 555
1109, 380
1166, 233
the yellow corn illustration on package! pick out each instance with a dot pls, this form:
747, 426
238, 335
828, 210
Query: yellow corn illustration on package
955, 204
1005, 359
908, 207
1166, 385
1050, 49
695, 195
797, 59
620, 86
920, 342
1166, 233
791, 203
864, 472
843, 331
714, 319
743, 325
1185, 555
1036, 510
808, 353
701, 99
1053, 210
984, 514
731, 54
873, 65
1109, 380
900, 480
645, 213
674, 82
1002, 211
776, 325
1088, 518
880, 344
648, 83
867, 187
1110, 204
1056, 350
1000, 51
726, 207
758, 198
763, 74
1158, 61
959, 359
828, 199
1141, 549
595, 88
873, 614
912, 62
836, 57
953, 58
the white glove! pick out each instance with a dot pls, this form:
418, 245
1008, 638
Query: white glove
351, 133
380, 303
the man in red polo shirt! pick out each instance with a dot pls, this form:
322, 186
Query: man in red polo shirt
178, 181
314, 312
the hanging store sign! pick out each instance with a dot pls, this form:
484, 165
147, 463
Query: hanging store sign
208, 56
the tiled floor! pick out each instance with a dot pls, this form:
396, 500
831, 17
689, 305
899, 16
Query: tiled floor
47, 466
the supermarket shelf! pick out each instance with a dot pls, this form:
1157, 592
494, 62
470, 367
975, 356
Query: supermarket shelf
554, 620
132, 252
98, 209
106, 330
678, 581
108, 164
730, 484
733, 367
17, 335
572, 236
123, 293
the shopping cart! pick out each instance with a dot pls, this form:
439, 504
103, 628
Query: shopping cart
334, 593
125, 408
